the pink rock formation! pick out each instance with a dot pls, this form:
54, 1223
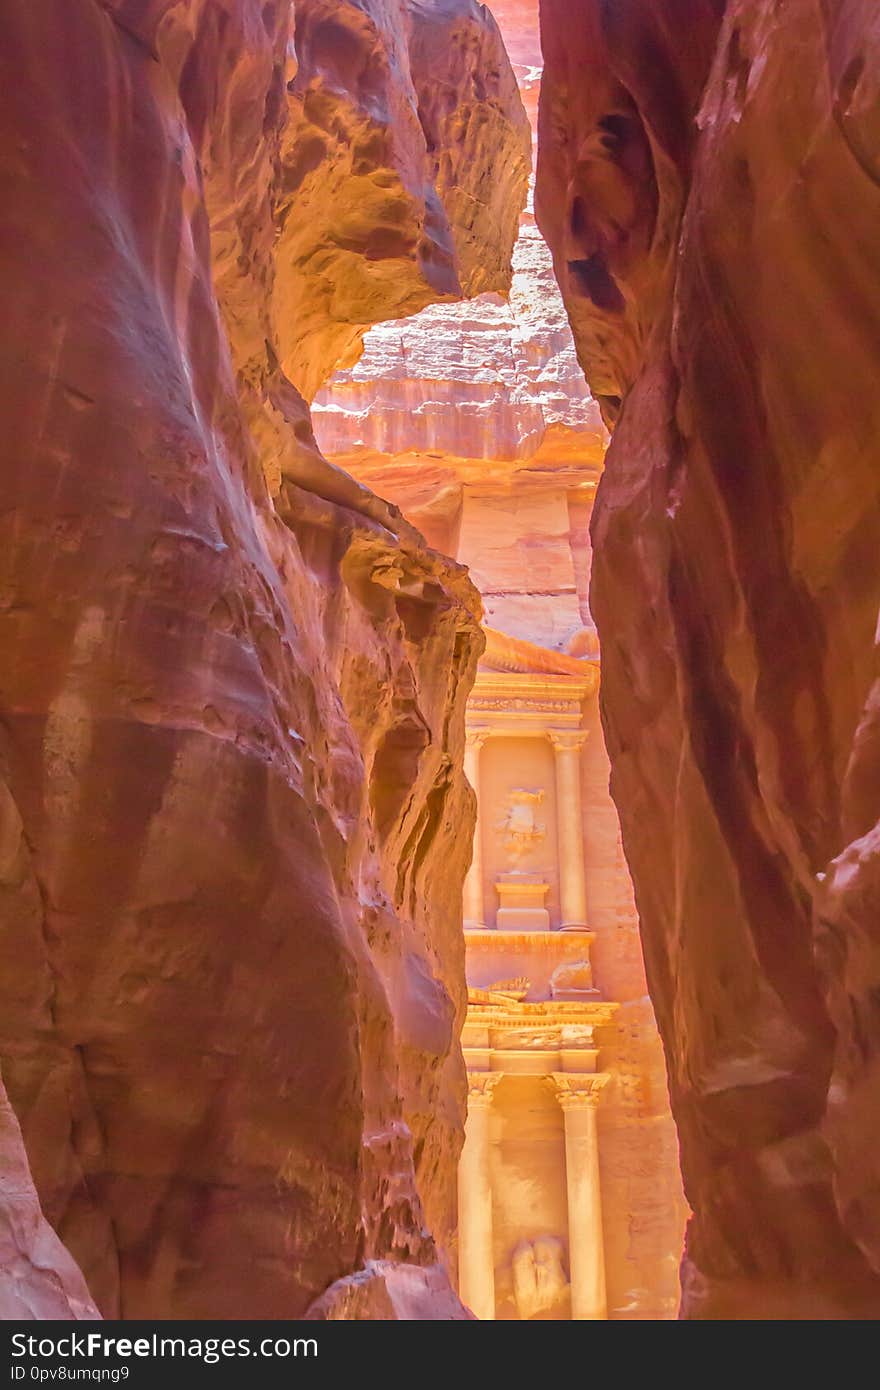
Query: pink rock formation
387, 1290
38, 1278
489, 382
708, 179
232, 681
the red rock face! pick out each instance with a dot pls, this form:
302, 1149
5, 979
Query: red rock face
708, 181
232, 683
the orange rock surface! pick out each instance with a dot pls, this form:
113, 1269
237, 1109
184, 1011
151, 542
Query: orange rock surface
233, 822
708, 180
403, 162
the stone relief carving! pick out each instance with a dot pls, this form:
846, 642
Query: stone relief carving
572, 978
515, 989
520, 827
539, 1278
537, 706
533, 1039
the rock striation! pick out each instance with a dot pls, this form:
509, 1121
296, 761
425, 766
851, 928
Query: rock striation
233, 822
487, 383
708, 181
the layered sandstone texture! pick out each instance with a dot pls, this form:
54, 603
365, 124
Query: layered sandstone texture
233, 822
476, 420
709, 180
402, 166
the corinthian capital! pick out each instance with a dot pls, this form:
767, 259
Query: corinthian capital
578, 1090
475, 738
567, 740
481, 1088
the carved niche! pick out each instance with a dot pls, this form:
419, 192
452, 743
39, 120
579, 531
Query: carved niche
539, 1278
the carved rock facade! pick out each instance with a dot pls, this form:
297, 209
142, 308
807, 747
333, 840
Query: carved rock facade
475, 419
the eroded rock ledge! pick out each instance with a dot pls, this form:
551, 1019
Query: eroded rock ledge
708, 178
232, 682
38, 1277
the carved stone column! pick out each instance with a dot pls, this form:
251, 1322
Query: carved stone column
476, 1255
578, 1095
474, 914
572, 882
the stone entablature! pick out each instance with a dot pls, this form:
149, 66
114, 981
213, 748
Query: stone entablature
509, 1036
490, 1010
507, 702
488, 939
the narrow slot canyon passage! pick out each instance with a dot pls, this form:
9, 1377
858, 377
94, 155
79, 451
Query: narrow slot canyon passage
475, 419
439, 592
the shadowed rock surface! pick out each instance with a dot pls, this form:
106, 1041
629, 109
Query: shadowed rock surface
708, 181
233, 822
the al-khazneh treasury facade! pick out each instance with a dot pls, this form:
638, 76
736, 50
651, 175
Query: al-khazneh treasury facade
475, 419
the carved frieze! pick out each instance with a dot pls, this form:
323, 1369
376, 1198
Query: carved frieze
478, 704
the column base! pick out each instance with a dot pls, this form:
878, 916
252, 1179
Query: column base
523, 919
573, 926
521, 902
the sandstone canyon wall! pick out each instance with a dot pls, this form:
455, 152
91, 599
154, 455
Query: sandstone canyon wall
233, 822
709, 180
